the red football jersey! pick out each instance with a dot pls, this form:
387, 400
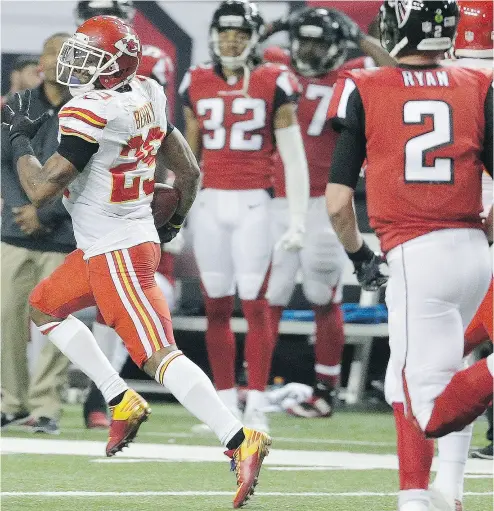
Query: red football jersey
238, 141
318, 134
424, 131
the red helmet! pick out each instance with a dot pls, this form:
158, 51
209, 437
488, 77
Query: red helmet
155, 63
104, 48
474, 36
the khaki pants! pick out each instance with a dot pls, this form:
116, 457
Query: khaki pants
21, 271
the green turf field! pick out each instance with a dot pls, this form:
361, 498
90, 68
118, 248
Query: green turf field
338, 464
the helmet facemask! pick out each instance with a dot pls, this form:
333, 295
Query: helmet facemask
79, 65
314, 56
233, 62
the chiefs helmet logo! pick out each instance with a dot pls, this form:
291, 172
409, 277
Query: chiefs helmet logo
469, 36
129, 45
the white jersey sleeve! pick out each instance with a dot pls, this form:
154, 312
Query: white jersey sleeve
85, 116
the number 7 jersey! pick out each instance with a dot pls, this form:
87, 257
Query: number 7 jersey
110, 200
424, 131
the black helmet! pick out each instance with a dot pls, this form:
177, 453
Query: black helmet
320, 25
241, 15
423, 25
123, 9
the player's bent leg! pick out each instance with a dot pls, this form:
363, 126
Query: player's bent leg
465, 398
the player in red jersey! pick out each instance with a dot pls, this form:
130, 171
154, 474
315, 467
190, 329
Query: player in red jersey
156, 64
423, 182
237, 112
319, 40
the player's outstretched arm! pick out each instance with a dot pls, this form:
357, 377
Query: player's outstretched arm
366, 43
40, 182
177, 155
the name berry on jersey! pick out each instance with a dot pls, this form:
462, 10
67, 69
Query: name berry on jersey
110, 200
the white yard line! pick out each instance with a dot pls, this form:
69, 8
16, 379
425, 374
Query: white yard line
201, 494
300, 440
199, 453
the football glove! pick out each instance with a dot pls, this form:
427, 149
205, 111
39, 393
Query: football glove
366, 264
293, 239
17, 119
171, 228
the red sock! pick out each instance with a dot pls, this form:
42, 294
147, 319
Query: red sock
258, 343
220, 341
467, 396
330, 340
415, 452
275, 312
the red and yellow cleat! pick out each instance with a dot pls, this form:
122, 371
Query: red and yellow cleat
246, 462
126, 418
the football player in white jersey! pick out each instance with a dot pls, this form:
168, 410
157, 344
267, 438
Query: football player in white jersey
114, 141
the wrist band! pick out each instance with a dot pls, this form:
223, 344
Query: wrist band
176, 220
364, 253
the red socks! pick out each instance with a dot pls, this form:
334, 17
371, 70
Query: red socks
330, 340
220, 341
467, 396
415, 452
259, 345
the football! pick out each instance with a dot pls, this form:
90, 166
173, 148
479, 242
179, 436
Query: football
164, 204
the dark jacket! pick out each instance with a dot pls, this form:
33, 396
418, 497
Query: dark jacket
53, 215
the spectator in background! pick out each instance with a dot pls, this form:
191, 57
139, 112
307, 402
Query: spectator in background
24, 75
34, 243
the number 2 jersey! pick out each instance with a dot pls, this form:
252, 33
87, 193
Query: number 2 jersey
237, 131
110, 200
423, 132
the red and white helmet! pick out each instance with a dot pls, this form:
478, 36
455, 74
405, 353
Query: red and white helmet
155, 63
474, 38
103, 49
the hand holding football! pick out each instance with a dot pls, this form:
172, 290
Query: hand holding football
164, 204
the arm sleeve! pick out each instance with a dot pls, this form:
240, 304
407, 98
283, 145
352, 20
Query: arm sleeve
350, 150
287, 90
77, 150
487, 154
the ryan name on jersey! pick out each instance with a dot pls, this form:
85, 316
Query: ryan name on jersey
432, 78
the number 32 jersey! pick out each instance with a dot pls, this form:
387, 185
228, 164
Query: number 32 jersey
424, 132
109, 201
236, 125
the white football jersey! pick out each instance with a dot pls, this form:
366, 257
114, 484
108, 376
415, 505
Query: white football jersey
109, 201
